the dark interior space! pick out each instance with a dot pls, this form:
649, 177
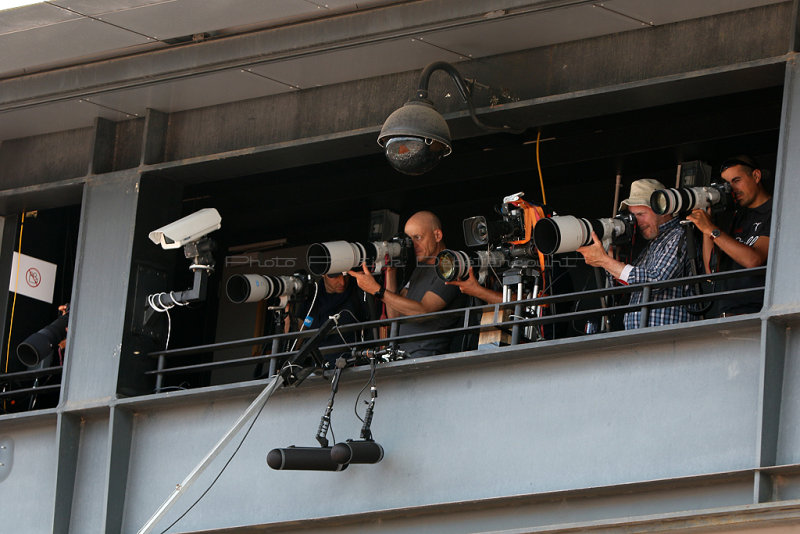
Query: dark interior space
51, 236
579, 161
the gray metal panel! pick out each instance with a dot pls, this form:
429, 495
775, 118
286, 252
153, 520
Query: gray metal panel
581, 513
783, 284
67, 115
93, 7
356, 63
789, 433
119, 444
531, 30
187, 17
33, 16
189, 93
68, 436
660, 12
33, 474
88, 504
63, 41
642, 412
350, 4
100, 289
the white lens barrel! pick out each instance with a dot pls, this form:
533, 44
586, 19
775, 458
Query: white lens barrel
563, 233
242, 288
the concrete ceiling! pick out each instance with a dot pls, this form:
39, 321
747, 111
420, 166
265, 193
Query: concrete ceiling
44, 45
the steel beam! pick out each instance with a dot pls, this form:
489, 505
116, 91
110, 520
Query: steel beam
68, 434
120, 436
101, 159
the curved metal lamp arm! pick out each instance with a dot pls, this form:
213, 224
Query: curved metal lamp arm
422, 93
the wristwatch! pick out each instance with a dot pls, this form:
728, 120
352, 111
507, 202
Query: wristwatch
715, 233
379, 293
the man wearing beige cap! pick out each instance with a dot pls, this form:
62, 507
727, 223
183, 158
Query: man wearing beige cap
663, 258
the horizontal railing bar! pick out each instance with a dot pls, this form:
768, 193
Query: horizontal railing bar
539, 301
31, 373
26, 391
545, 320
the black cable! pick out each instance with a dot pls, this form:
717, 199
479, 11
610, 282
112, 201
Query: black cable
358, 397
577, 304
239, 446
356, 319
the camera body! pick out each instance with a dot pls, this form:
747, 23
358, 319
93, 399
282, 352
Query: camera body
515, 226
342, 256
566, 233
506, 242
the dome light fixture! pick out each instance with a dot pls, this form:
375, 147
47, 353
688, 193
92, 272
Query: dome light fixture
416, 137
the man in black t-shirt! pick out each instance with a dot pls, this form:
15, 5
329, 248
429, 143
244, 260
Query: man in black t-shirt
746, 243
335, 294
424, 293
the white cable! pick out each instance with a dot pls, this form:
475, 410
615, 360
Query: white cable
255, 406
154, 301
177, 302
313, 301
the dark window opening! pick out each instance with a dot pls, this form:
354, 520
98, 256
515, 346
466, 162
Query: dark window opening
270, 219
32, 318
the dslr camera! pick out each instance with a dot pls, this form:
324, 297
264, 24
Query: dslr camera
506, 241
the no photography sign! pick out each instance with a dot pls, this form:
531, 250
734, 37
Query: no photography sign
37, 278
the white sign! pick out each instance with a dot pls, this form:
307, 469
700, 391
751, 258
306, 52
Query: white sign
37, 278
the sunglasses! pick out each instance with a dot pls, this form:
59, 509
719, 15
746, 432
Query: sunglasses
733, 162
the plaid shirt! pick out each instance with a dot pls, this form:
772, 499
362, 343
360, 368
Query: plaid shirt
663, 258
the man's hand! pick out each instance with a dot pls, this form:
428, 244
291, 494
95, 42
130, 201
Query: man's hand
702, 221
365, 280
468, 286
596, 256
471, 287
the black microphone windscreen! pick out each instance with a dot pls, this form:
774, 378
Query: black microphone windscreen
303, 458
357, 452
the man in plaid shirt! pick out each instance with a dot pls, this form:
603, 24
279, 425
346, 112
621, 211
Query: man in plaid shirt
663, 258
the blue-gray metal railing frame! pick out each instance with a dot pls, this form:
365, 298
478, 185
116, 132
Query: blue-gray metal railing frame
467, 312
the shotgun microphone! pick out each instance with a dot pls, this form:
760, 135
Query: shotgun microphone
303, 459
357, 452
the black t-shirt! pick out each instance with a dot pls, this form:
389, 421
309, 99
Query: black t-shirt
749, 225
424, 279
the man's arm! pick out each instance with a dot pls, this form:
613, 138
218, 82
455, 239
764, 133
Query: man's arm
471, 287
390, 282
399, 304
596, 256
431, 302
745, 255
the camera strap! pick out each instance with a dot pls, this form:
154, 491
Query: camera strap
532, 215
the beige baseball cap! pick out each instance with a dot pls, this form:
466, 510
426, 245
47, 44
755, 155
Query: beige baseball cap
641, 190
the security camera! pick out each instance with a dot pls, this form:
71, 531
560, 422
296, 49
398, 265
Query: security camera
187, 230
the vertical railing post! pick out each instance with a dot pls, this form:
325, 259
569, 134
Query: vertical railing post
645, 309
159, 376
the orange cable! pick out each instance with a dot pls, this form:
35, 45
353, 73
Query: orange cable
539, 165
16, 284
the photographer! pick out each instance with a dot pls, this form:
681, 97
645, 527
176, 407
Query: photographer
336, 294
746, 242
424, 293
663, 258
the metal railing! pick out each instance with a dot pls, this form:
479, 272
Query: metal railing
25, 387
514, 325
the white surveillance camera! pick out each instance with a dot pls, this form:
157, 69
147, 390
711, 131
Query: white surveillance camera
187, 230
